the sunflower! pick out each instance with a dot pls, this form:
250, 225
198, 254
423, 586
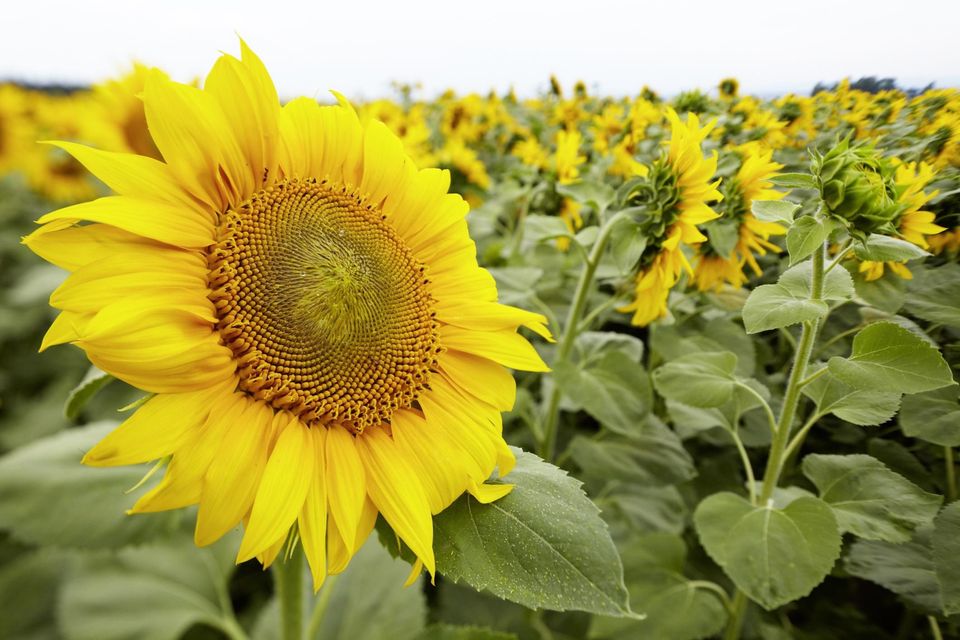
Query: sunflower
752, 182
913, 224
51, 171
679, 190
120, 123
15, 128
306, 306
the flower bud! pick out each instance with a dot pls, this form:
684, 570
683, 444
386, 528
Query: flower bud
857, 187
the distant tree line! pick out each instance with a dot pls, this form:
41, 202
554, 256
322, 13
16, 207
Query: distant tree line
872, 84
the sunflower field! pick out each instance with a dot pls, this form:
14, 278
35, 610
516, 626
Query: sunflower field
477, 367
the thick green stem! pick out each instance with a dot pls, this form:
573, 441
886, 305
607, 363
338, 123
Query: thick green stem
792, 395
781, 436
288, 577
570, 326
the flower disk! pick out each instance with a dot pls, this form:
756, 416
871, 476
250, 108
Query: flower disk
323, 306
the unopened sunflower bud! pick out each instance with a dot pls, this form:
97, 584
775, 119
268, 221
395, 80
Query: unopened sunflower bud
856, 185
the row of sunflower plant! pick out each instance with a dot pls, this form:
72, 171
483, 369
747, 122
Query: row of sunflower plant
738, 416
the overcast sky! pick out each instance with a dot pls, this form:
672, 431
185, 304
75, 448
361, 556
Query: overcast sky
359, 47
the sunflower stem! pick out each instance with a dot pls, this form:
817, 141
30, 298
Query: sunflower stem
781, 437
571, 327
288, 577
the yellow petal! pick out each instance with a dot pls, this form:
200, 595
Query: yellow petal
346, 483
158, 428
283, 489
313, 515
152, 219
483, 378
73, 247
396, 491
231, 481
506, 347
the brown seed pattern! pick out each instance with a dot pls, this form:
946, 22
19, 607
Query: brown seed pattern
324, 307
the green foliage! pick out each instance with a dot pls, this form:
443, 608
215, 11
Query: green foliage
868, 499
543, 545
887, 357
774, 210
775, 555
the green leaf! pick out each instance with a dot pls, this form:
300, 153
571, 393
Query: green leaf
676, 609
723, 236
92, 382
806, 235
699, 380
543, 545
615, 390
933, 416
774, 210
656, 457
774, 555
29, 586
870, 500
837, 283
884, 248
451, 632
934, 295
537, 228
586, 237
771, 306
594, 345
627, 245
946, 557
515, 284
794, 180
864, 408
906, 569
647, 508
153, 592
887, 357
596, 194
47, 497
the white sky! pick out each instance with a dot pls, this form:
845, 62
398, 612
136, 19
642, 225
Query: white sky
359, 46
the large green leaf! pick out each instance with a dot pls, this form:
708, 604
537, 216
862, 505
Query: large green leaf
946, 557
869, 499
864, 408
906, 569
654, 457
774, 555
771, 306
885, 248
887, 357
699, 380
933, 416
151, 592
590, 192
544, 545
646, 508
48, 497
615, 390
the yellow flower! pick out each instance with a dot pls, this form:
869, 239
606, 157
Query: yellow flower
465, 160
307, 307
915, 225
50, 171
692, 190
567, 158
15, 128
729, 88
872, 270
946, 242
531, 153
119, 123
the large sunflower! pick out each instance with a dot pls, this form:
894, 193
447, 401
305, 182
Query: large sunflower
307, 307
